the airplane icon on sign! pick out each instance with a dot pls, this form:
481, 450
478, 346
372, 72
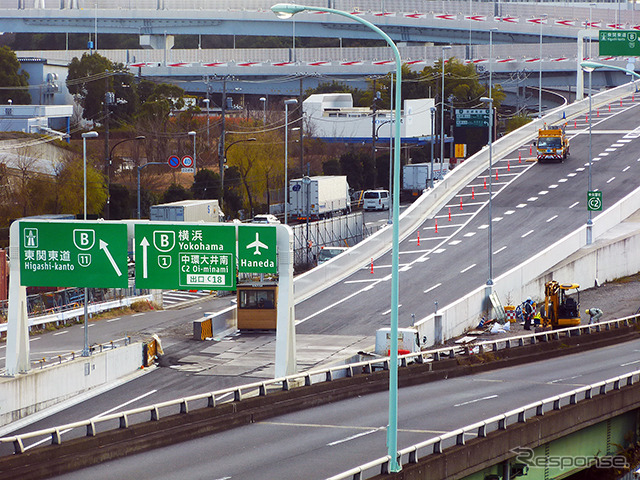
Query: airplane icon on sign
257, 245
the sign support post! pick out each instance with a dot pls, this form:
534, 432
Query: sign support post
17, 359
285, 327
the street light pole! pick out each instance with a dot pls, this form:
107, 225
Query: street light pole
433, 131
264, 110
291, 101
85, 350
139, 170
542, 19
206, 102
109, 161
490, 249
286, 11
444, 47
193, 135
224, 165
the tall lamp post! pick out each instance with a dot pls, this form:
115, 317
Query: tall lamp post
139, 137
489, 100
206, 101
444, 47
192, 134
433, 132
224, 165
264, 110
286, 11
139, 170
85, 350
542, 20
290, 101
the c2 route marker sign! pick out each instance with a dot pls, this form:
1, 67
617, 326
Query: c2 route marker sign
594, 201
257, 249
621, 43
73, 254
184, 257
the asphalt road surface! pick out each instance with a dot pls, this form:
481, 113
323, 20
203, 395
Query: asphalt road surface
320, 442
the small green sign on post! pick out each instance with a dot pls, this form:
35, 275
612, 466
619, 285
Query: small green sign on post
73, 254
185, 257
621, 43
257, 249
594, 201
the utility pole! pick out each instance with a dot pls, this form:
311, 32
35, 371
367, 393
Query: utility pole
301, 131
221, 143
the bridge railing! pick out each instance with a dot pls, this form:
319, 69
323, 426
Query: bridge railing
263, 388
414, 453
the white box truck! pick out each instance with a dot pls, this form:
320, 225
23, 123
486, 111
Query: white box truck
415, 178
319, 197
187, 211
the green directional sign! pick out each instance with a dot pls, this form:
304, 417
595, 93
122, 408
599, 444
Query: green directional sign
73, 254
257, 250
620, 43
472, 117
594, 201
185, 256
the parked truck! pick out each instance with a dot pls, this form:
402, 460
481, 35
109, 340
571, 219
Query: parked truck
187, 211
552, 144
415, 177
319, 197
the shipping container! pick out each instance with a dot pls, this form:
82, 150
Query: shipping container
187, 211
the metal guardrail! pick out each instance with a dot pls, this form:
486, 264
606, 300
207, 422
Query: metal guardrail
236, 394
499, 422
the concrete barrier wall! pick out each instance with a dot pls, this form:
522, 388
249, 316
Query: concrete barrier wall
28, 393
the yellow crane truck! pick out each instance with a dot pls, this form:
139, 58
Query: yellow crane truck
560, 310
552, 144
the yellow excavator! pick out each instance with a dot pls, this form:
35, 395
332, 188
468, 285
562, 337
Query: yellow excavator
560, 310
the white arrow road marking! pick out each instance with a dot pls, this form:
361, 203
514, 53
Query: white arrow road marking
103, 246
144, 244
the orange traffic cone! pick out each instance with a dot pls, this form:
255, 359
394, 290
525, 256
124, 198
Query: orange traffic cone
436, 225
519, 157
460, 203
485, 183
418, 237
449, 213
508, 166
473, 194
496, 174
372, 265
609, 107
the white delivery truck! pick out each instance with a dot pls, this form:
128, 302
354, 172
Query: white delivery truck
415, 178
319, 197
187, 211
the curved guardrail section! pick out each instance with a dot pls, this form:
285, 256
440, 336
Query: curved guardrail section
498, 422
263, 388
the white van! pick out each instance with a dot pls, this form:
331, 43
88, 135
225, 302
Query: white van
376, 200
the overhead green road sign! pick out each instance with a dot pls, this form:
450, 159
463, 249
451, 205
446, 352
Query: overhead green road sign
257, 249
472, 117
185, 257
73, 254
621, 43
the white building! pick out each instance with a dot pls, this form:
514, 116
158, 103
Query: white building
332, 117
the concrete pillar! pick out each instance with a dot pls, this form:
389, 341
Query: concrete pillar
157, 42
285, 327
438, 333
17, 360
